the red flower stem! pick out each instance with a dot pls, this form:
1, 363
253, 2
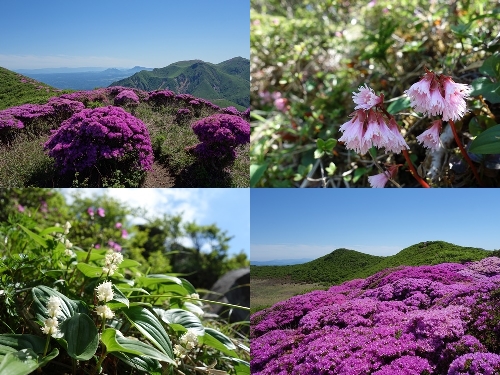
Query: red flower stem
464, 153
413, 170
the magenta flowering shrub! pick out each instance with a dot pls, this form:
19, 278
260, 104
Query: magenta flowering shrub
94, 135
219, 135
161, 97
126, 97
18, 117
231, 111
65, 108
182, 114
411, 320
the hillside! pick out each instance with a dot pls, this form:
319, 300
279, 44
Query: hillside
16, 89
343, 265
225, 84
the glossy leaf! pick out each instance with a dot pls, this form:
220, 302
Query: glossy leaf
108, 338
95, 255
489, 90
90, 271
119, 296
81, 335
187, 285
141, 363
23, 362
488, 142
219, 341
399, 105
256, 173
41, 295
18, 342
151, 328
491, 66
129, 263
180, 320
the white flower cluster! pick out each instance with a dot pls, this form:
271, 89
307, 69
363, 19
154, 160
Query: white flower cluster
51, 325
189, 339
104, 312
111, 262
105, 291
62, 238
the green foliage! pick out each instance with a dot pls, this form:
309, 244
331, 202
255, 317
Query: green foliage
314, 55
147, 314
197, 78
343, 265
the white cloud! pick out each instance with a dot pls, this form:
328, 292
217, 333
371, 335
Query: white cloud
58, 61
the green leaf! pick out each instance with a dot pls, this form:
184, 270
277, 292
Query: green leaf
168, 283
81, 335
489, 90
331, 169
491, 66
119, 296
95, 255
18, 342
188, 286
330, 145
358, 173
488, 142
115, 342
242, 367
318, 153
35, 237
51, 230
180, 320
474, 127
219, 341
22, 362
141, 363
150, 327
256, 173
129, 263
41, 295
399, 105
320, 144
90, 271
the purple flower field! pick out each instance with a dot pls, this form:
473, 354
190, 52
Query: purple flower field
424, 320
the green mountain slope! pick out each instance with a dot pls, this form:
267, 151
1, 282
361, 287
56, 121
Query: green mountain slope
342, 264
16, 89
225, 84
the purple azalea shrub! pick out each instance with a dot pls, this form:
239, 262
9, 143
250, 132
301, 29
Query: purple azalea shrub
440, 319
18, 117
231, 111
85, 97
126, 97
94, 135
246, 114
182, 114
219, 135
186, 98
161, 97
65, 108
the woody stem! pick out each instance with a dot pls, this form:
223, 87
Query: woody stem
464, 153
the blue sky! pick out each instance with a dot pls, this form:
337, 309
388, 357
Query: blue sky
309, 223
228, 208
121, 33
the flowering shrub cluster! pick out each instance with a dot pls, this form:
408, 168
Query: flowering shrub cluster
18, 117
219, 135
161, 97
94, 135
413, 320
182, 114
126, 97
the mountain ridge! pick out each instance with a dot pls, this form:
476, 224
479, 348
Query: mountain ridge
343, 264
225, 84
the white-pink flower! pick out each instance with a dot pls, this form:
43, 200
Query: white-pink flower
353, 133
365, 98
379, 180
430, 137
455, 95
397, 142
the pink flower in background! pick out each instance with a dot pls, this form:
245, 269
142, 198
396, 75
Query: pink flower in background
97, 246
20, 208
118, 225
124, 233
379, 180
430, 137
113, 245
100, 212
280, 104
365, 98
90, 211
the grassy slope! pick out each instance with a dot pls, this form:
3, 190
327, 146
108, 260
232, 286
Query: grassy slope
231, 78
13, 92
342, 265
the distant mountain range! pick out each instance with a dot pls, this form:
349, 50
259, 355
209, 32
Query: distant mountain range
343, 264
225, 84
279, 262
78, 80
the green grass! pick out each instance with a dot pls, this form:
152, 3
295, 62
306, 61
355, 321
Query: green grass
13, 92
23, 162
343, 265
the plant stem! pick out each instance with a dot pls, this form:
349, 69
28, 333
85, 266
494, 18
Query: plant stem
413, 170
464, 153
99, 362
46, 346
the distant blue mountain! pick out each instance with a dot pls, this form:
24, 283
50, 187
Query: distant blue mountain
279, 262
73, 78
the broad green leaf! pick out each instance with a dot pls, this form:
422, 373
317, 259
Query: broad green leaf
399, 105
242, 367
95, 255
150, 327
318, 153
219, 341
320, 144
89, 270
35, 237
116, 342
489, 90
491, 66
330, 144
488, 142
141, 363
195, 309
256, 173
331, 169
41, 295
51, 230
188, 286
167, 283
129, 263
358, 173
81, 335
22, 362
180, 320
119, 296
26, 341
